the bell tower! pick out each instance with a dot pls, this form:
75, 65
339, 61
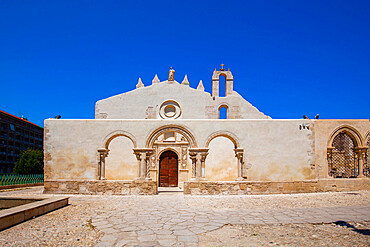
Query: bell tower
216, 81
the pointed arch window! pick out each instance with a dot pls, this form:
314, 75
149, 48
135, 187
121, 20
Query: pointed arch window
342, 158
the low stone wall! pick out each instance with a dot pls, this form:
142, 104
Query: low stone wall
100, 187
256, 187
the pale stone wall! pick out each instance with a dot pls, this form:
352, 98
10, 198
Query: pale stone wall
145, 103
275, 150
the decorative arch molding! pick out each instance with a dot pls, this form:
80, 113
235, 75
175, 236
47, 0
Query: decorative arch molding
169, 149
226, 134
367, 138
224, 104
349, 130
171, 128
115, 134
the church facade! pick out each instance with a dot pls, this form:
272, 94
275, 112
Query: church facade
171, 135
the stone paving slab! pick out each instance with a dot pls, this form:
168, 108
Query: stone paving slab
168, 221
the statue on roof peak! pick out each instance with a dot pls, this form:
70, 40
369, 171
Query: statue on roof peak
171, 74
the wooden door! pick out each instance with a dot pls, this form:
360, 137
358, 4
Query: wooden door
168, 169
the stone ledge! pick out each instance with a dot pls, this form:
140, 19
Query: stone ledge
101, 187
266, 187
16, 215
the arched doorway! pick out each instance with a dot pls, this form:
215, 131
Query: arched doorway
168, 169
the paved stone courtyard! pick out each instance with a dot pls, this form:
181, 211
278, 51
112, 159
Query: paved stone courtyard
172, 219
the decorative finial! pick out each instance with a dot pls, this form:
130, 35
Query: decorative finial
171, 75
222, 67
200, 86
139, 83
185, 81
156, 79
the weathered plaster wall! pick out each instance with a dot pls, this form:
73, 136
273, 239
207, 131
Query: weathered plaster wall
221, 163
276, 150
324, 130
144, 103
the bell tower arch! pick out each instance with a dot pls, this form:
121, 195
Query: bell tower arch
216, 81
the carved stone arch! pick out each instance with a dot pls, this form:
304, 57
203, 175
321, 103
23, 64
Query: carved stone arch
171, 128
367, 138
349, 130
115, 134
223, 104
169, 149
226, 134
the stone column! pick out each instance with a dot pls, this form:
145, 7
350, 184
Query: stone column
103, 153
242, 173
143, 162
193, 158
361, 154
198, 166
143, 166
138, 157
203, 164
329, 153
198, 157
147, 163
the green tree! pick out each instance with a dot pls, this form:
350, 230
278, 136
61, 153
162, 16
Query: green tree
31, 162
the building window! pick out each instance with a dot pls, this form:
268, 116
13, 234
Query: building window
343, 161
222, 112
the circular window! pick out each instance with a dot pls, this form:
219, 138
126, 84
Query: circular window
170, 109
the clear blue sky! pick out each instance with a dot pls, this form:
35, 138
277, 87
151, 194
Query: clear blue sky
288, 58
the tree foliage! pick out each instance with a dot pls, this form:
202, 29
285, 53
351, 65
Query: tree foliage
31, 162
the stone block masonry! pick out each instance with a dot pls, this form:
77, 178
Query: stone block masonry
100, 187
265, 187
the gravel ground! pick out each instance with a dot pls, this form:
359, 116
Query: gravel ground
346, 234
69, 226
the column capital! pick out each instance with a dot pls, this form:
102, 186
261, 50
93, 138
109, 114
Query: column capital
361, 149
239, 153
195, 151
103, 151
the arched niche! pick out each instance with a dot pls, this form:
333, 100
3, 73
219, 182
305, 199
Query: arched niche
221, 163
